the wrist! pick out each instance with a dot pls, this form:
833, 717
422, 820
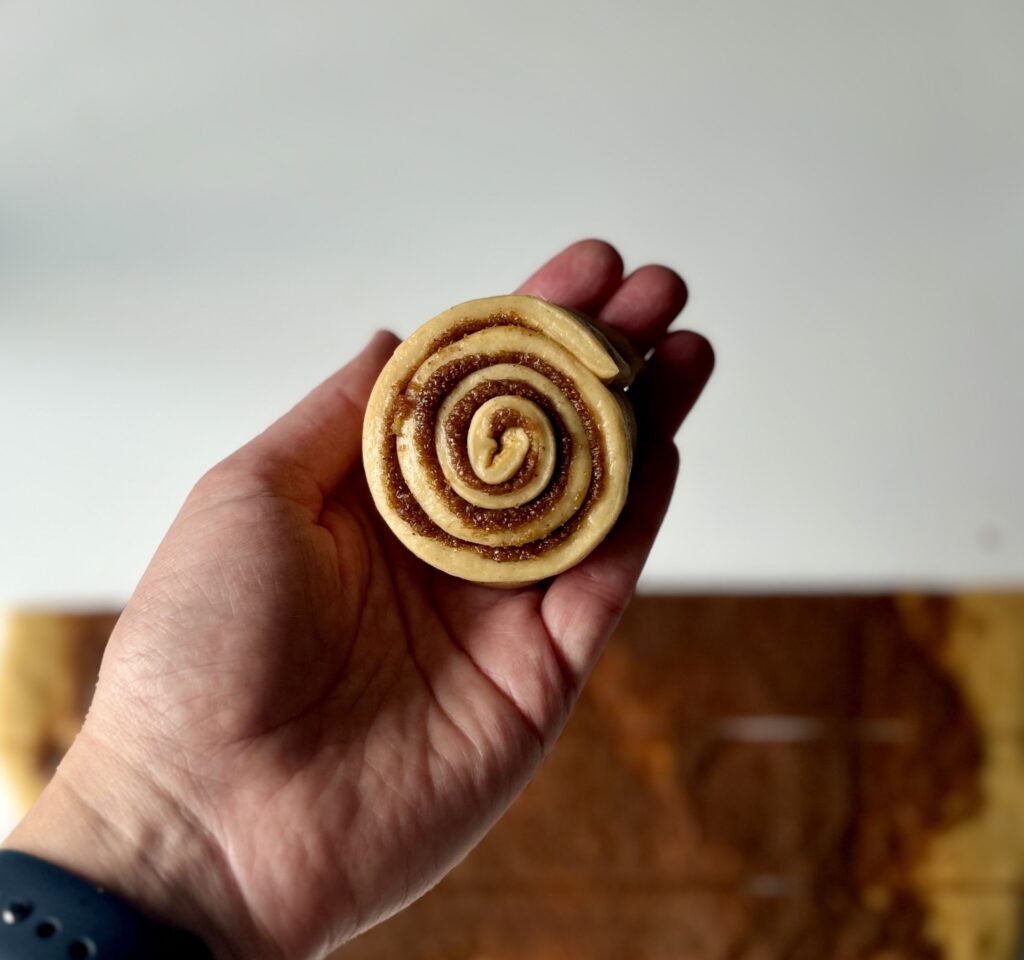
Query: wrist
108, 823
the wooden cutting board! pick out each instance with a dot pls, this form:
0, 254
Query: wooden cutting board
746, 778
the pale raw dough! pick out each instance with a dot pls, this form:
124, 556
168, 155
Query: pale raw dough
597, 362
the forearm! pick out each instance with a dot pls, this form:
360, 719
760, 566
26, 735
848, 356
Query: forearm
108, 824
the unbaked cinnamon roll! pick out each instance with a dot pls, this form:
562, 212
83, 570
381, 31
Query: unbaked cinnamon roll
498, 439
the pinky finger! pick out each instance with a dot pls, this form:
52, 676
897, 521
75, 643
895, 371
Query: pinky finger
583, 605
671, 383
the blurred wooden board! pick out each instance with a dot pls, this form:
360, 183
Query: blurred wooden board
745, 778
48, 666
755, 779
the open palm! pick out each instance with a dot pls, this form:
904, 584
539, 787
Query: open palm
336, 722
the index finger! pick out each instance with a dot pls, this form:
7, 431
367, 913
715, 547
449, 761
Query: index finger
584, 276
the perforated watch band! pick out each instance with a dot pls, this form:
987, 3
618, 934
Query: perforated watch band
47, 913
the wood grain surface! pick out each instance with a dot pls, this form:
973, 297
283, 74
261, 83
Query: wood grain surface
745, 778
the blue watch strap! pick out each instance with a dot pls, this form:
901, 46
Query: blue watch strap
47, 913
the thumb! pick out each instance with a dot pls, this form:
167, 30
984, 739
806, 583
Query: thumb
322, 433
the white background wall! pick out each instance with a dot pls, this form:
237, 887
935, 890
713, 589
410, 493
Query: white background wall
206, 207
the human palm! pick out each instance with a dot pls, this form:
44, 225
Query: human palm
336, 722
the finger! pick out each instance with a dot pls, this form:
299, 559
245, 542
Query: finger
583, 605
582, 277
322, 434
648, 300
670, 384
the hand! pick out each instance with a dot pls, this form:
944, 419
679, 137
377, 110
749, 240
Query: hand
298, 727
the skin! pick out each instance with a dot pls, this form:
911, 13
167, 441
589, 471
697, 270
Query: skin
299, 728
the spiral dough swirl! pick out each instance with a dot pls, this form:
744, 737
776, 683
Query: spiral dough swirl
498, 440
